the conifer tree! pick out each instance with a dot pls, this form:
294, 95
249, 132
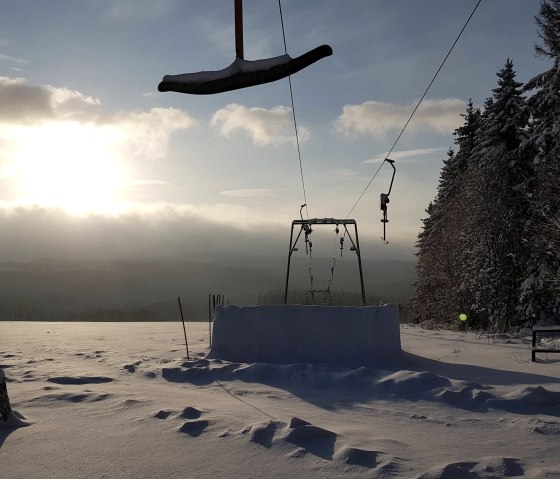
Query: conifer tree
429, 285
437, 297
477, 219
494, 257
540, 295
490, 245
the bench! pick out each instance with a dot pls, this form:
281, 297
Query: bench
543, 329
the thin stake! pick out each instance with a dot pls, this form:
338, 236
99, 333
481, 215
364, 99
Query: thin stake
210, 318
184, 329
214, 298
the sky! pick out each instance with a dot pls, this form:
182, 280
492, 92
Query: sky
95, 163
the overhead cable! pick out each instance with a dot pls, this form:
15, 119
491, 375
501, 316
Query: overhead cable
416, 107
294, 115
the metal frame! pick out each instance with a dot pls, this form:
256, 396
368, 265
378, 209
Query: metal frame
543, 329
304, 224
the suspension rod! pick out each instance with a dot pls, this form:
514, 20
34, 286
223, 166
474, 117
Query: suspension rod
238, 6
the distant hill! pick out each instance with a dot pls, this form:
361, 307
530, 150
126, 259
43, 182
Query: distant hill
148, 289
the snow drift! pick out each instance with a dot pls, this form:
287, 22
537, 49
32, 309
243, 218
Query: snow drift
460, 405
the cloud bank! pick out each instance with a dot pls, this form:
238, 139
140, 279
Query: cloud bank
410, 155
12, 59
144, 133
59, 147
199, 232
264, 126
194, 231
375, 118
249, 193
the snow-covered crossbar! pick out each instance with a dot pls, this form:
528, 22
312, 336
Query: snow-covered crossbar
242, 73
352, 336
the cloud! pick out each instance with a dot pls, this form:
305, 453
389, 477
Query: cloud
264, 127
12, 59
165, 230
141, 133
408, 154
377, 118
63, 96
249, 193
138, 8
147, 133
58, 147
134, 183
24, 103
343, 172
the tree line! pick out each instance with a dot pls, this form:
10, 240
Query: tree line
489, 247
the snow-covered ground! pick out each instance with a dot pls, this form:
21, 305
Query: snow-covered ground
121, 400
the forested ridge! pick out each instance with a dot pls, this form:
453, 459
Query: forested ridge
490, 244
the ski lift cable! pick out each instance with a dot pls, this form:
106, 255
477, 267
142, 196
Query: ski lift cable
294, 114
417, 106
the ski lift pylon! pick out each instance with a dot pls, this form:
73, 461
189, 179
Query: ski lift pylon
241, 73
305, 225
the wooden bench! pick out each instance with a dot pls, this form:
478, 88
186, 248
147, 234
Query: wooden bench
543, 329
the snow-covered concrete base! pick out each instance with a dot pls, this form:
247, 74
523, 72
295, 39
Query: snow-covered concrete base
350, 336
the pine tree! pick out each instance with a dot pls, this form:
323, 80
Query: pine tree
438, 292
470, 253
433, 299
540, 295
495, 252
490, 245
425, 302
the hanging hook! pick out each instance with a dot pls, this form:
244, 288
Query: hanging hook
384, 201
300, 211
307, 231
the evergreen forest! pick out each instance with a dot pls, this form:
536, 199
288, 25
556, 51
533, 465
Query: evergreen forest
489, 247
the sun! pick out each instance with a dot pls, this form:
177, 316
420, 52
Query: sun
69, 165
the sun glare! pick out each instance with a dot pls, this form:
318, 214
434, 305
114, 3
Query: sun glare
69, 165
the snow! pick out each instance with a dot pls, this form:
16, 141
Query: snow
347, 336
239, 65
121, 400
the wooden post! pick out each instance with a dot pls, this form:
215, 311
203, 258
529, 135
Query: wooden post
238, 6
184, 329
